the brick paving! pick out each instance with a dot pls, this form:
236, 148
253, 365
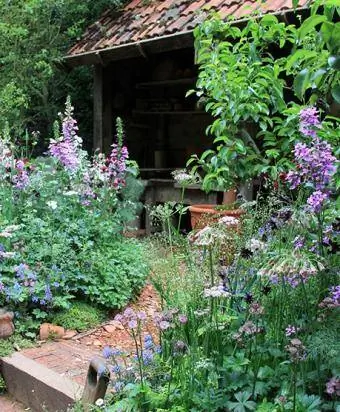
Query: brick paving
70, 358
9, 405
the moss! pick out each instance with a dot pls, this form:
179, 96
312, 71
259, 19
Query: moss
81, 316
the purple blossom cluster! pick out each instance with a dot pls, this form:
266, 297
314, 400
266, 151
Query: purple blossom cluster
169, 318
126, 368
21, 178
117, 165
66, 148
315, 163
309, 121
333, 386
131, 319
332, 300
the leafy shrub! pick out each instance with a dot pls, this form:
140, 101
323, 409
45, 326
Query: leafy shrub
61, 222
80, 316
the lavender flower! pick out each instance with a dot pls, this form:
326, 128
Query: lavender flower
309, 121
316, 200
315, 162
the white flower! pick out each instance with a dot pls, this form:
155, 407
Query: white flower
7, 255
12, 228
99, 402
229, 221
70, 193
52, 204
255, 245
216, 292
5, 234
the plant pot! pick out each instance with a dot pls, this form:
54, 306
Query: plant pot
6, 324
229, 197
203, 215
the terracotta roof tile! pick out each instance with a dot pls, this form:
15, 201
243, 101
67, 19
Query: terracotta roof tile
147, 19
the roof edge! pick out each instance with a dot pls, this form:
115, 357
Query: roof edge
150, 46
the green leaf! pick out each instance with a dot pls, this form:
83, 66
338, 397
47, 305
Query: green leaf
301, 82
309, 24
327, 30
334, 62
336, 93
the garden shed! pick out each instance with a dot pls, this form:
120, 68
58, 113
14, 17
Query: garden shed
144, 63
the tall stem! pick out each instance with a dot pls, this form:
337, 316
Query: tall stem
181, 211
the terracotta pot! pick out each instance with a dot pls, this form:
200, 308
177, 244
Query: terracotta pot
6, 324
229, 197
203, 215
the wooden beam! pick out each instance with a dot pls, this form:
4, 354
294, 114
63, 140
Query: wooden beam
98, 86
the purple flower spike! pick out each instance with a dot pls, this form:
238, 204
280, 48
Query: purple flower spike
309, 121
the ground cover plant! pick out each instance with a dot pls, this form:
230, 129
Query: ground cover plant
62, 219
250, 317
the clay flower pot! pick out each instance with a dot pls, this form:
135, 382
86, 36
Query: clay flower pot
6, 324
203, 215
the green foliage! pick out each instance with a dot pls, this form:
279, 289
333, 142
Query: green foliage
61, 223
34, 36
245, 83
13, 343
80, 316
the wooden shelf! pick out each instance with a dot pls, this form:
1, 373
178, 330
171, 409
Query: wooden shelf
182, 112
165, 83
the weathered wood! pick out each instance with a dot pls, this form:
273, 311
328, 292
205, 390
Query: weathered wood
98, 377
98, 85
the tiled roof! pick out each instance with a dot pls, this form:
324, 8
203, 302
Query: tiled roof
142, 20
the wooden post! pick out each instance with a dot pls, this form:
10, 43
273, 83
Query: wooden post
98, 103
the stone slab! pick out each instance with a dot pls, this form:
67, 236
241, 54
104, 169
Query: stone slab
36, 386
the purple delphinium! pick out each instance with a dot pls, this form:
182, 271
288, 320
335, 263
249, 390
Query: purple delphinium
316, 200
315, 163
309, 121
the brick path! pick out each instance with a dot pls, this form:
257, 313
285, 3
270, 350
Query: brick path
8, 405
70, 358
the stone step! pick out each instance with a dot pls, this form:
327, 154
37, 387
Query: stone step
36, 386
